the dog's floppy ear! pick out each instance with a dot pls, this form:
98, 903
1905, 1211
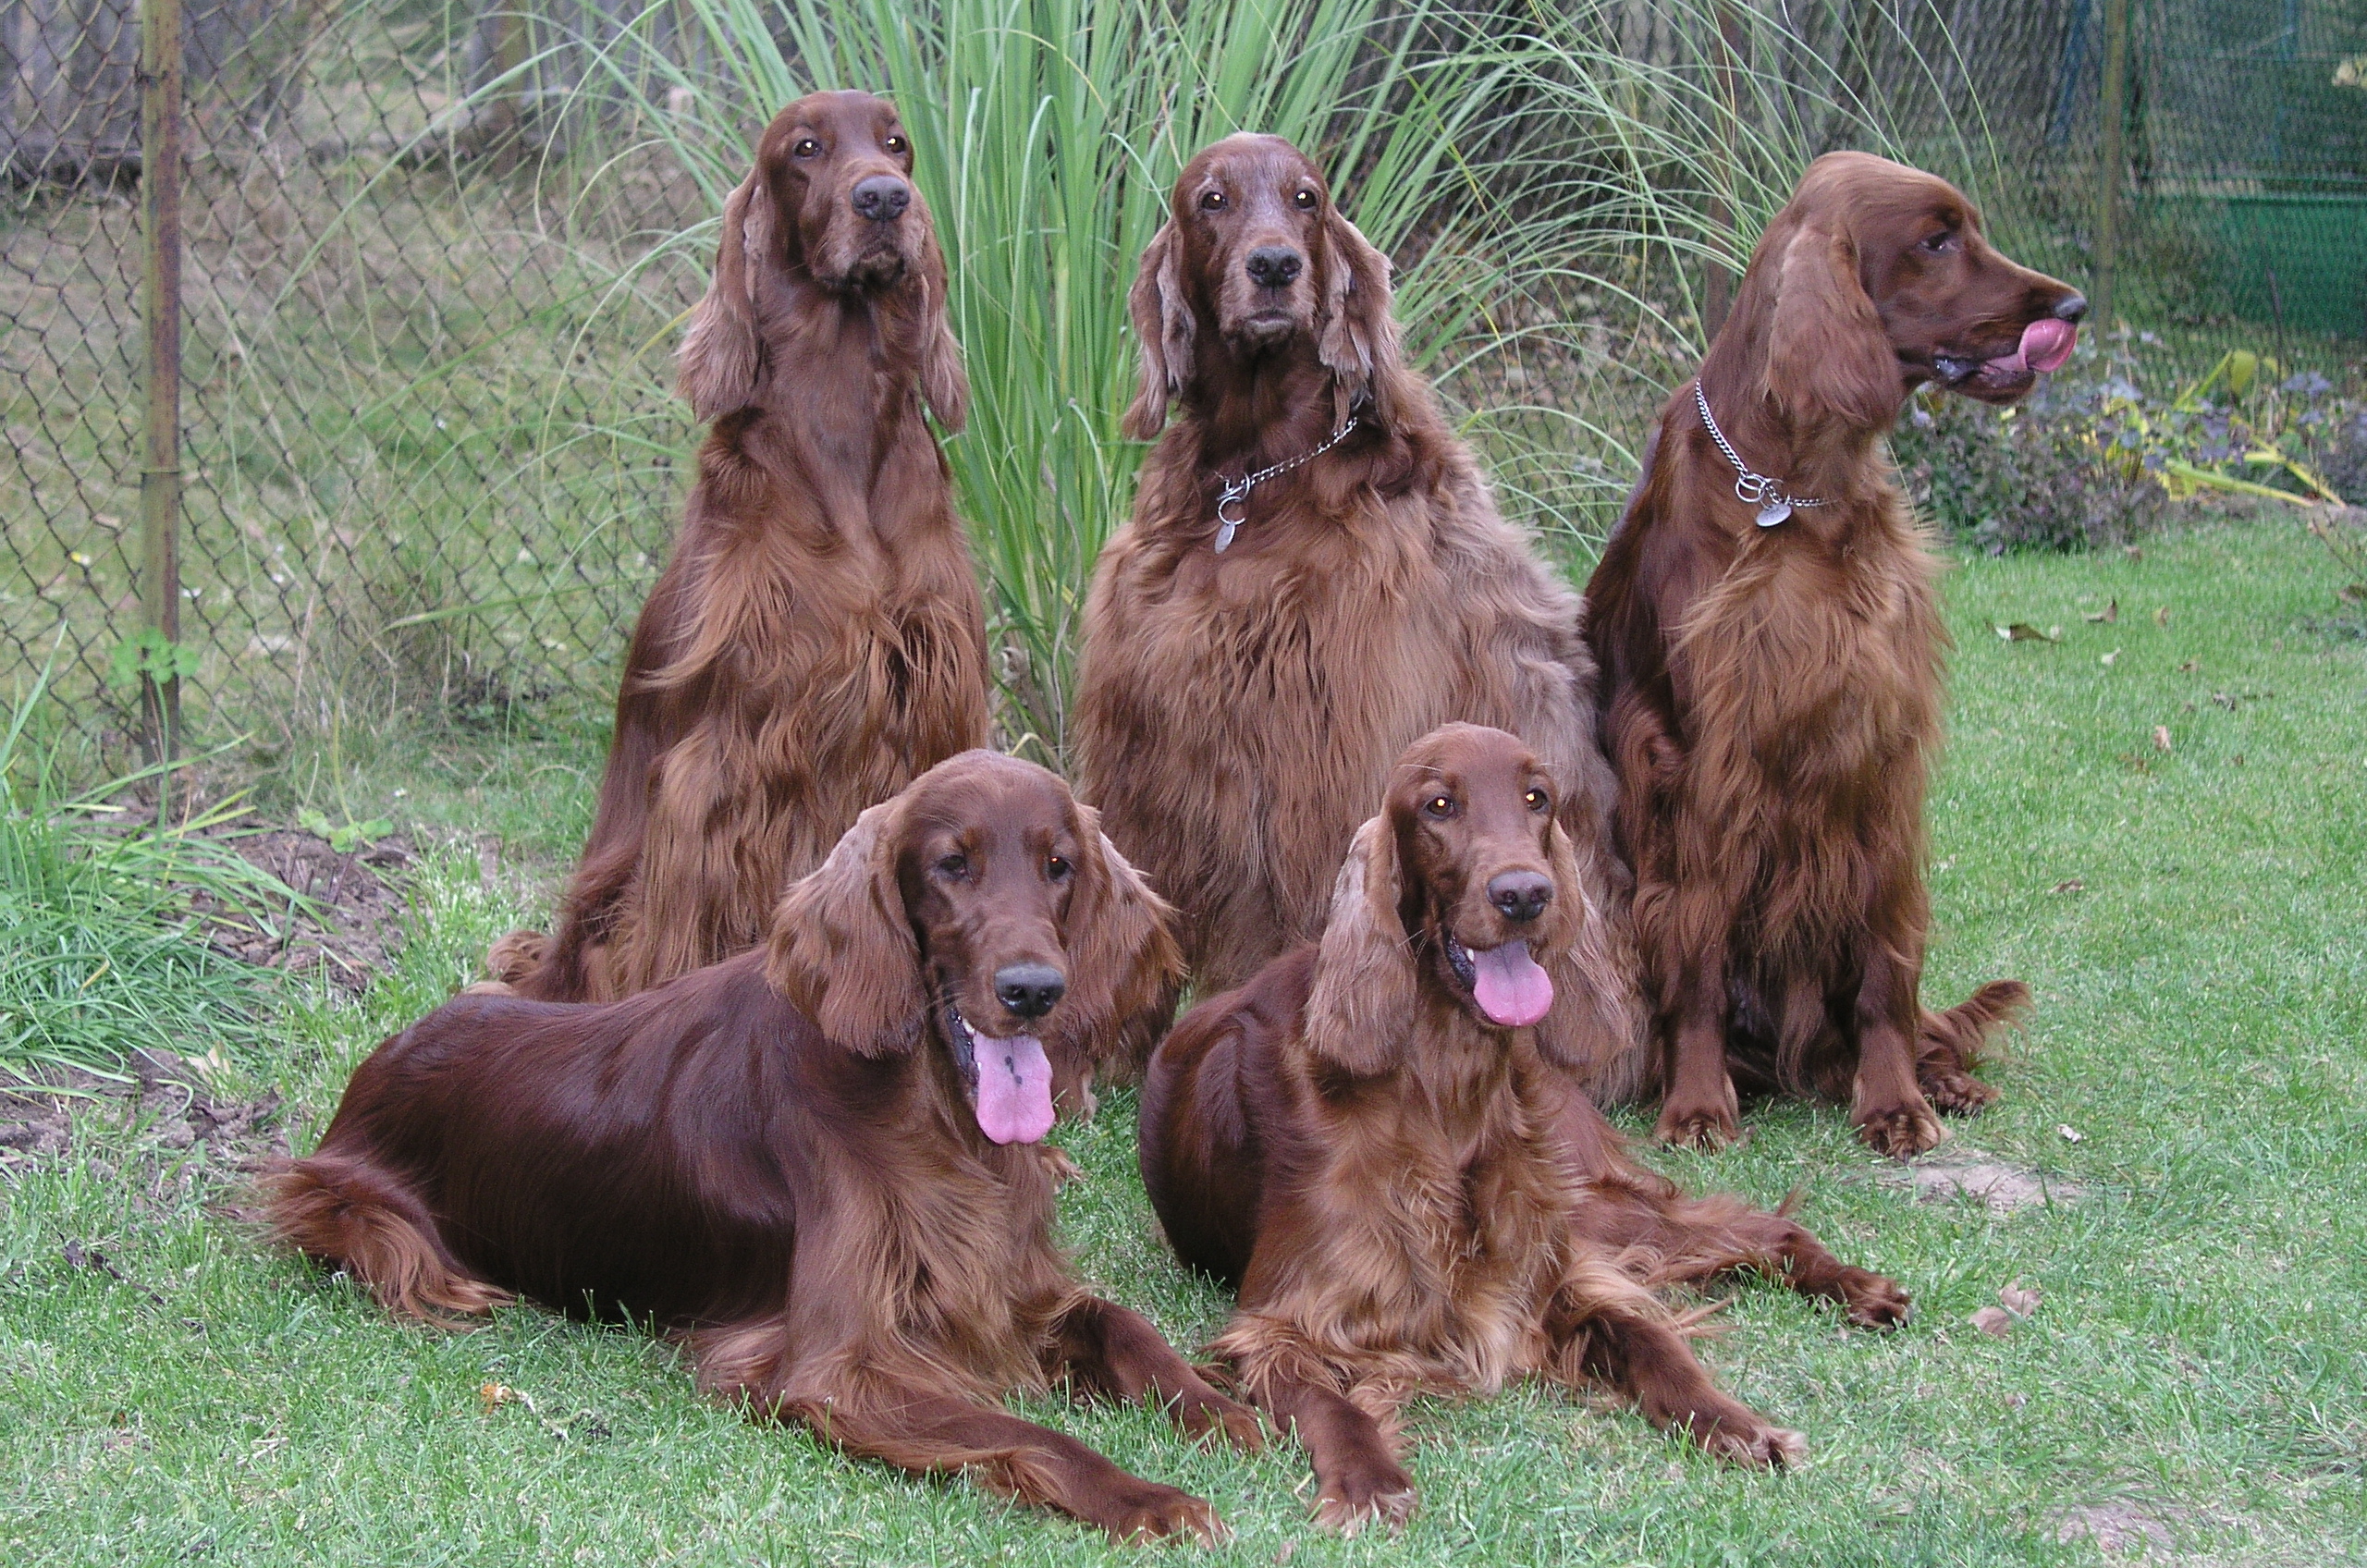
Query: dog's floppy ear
722, 358
1355, 336
1595, 1028
1362, 1000
1123, 955
1164, 327
1828, 356
944, 384
842, 949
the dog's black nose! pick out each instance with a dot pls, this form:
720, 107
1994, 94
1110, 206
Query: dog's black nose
2071, 308
1521, 896
881, 197
1272, 267
1030, 990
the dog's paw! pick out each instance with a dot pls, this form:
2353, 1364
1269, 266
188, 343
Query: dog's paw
1146, 1511
1208, 1415
1873, 1301
1902, 1131
1955, 1092
1366, 1488
1759, 1444
1058, 1164
517, 955
1709, 1129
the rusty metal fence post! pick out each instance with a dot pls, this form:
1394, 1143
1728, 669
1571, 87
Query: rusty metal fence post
160, 309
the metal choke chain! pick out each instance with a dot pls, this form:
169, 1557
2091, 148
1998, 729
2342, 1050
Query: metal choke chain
1237, 490
1754, 489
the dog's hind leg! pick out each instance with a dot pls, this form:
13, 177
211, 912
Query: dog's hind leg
1950, 1043
358, 1218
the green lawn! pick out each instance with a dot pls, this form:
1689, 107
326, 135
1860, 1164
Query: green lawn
2193, 920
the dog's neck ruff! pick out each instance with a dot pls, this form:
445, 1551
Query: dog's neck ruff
1237, 491
1753, 489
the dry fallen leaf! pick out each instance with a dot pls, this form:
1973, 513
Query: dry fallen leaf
2070, 1134
2352, 592
2161, 737
494, 1395
2019, 1301
1994, 1321
2023, 631
2224, 699
2161, 616
2109, 614
2071, 884
2190, 666
2132, 552
2106, 660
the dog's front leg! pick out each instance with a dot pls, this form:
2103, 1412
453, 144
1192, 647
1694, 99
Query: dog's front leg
1698, 1108
1606, 1328
1357, 1476
1117, 1354
1887, 1105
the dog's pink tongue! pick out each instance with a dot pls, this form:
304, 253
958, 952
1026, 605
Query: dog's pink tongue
1014, 1089
1509, 987
2046, 343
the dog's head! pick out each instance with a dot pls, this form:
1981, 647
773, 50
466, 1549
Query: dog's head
1255, 264
1466, 890
979, 912
831, 202
1876, 279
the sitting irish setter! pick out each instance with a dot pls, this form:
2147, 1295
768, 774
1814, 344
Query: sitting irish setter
1376, 1142
815, 641
812, 1160
1771, 650
1252, 663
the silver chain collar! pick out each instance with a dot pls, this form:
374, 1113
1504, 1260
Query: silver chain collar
1237, 491
1754, 489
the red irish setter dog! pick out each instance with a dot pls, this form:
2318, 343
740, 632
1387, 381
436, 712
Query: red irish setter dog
1772, 667
1377, 1144
1251, 666
817, 640
812, 1161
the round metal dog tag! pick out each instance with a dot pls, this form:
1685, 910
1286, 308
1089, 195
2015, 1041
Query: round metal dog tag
1774, 512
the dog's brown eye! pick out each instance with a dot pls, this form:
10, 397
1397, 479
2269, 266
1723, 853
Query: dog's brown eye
955, 866
805, 148
1439, 806
1213, 201
1940, 243
1058, 869
1306, 200
1537, 799
895, 145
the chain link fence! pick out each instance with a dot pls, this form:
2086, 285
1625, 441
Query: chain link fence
434, 264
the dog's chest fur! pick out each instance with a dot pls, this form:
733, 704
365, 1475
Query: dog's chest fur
1238, 715
1438, 1236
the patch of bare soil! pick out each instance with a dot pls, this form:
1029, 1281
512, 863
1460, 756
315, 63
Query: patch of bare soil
2120, 1530
359, 915
167, 1106
1958, 1171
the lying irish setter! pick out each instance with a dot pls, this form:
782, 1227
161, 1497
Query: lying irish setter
815, 641
1377, 1144
1252, 664
811, 1160
1770, 649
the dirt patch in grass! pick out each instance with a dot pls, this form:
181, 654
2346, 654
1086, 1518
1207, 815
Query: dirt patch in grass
2120, 1530
1963, 1172
165, 1104
360, 913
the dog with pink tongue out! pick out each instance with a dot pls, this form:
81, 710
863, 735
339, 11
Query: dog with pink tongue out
1377, 1145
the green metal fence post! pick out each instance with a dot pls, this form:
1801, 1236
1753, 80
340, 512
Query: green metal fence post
2112, 158
160, 473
